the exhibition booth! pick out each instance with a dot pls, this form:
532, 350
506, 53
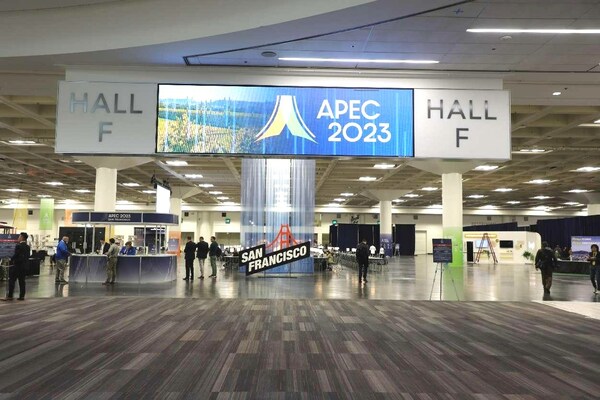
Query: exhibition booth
507, 246
139, 268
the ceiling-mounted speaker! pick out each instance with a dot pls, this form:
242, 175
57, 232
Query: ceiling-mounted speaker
186, 214
338, 215
223, 214
29, 212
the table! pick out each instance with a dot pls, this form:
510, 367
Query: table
130, 269
572, 267
231, 262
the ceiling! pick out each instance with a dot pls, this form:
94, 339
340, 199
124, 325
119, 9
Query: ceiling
533, 66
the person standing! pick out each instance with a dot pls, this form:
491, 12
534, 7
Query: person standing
213, 252
594, 259
62, 254
19, 267
362, 258
190, 253
545, 261
103, 247
202, 253
111, 264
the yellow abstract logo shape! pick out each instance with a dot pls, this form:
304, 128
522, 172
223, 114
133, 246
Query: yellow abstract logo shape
285, 114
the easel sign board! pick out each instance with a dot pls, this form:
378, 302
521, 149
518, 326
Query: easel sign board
442, 250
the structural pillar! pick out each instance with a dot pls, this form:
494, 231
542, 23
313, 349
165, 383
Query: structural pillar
452, 214
385, 227
105, 198
203, 226
593, 209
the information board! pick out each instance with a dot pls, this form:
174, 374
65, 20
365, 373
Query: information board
442, 251
7, 244
278, 120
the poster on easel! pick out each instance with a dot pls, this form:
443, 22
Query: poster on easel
442, 251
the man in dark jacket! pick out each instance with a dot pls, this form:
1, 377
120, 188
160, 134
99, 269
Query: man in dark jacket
545, 261
190, 254
362, 257
201, 253
19, 267
213, 252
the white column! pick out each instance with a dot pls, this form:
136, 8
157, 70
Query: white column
204, 226
385, 226
593, 209
176, 207
452, 214
105, 196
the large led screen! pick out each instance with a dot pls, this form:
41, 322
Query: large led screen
305, 121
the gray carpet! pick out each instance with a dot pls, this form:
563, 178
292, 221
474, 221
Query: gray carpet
138, 348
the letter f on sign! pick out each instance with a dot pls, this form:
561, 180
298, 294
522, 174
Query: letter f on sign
104, 129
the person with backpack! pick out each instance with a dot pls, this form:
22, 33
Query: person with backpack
214, 251
594, 259
545, 261
201, 254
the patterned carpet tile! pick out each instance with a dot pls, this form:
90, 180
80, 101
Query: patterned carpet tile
134, 348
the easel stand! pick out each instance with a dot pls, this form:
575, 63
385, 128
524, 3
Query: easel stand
441, 267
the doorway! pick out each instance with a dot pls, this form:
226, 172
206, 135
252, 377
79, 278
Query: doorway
420, 242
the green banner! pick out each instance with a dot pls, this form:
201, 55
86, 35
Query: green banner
46, 214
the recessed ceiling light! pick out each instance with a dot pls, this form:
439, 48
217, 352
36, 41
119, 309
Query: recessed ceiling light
435, 206
587, 169
334, 205
556, 93
572, 203
488, 207
429, 189
54, 183
513, 202
193, 176
486, 168
412, 195
597, 121
476, 196
176, 163
578, 191
206, 185
357, 60
124, 202
367, 178
384, 166
14, 190
503, 190
531, 151
539, 181
229, 203
542, 208
222, 198
22, 142
541, 197
399, 200
69, 201
82, 190
339, 199
149, 191
131, 184
346, 194
558, 31
43, 195
215, 192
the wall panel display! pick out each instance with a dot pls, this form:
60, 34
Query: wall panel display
259, 120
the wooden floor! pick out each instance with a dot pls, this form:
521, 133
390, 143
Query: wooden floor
150, 348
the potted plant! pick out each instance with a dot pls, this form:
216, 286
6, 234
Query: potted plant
529, 256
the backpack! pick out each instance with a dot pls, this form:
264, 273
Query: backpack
218, 252
544, 260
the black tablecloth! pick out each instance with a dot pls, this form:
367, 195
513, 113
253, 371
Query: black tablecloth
573, 267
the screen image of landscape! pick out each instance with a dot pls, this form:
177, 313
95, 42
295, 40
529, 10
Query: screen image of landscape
266, 120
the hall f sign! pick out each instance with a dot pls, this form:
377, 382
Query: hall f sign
104, 127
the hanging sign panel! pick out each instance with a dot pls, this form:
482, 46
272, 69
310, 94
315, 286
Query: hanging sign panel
256, 260
304, 121
106, 118
462, 124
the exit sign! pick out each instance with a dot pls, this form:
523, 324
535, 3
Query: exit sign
227, 220
334, 222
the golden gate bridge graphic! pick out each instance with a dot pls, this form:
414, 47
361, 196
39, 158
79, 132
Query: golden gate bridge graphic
284, 239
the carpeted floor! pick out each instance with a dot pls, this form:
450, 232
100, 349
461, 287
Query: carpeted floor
148, 348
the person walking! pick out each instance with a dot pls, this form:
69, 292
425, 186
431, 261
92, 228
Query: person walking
111, 264
594, 259
545, 261
62, 254
190, 253
362, 258
213, 252
201, 253
19, 268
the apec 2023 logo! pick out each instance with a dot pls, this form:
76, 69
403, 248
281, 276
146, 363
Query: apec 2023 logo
285, 121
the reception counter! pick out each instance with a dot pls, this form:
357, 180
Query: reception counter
130, 269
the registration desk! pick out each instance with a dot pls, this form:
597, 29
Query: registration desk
572, 267
130, 269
